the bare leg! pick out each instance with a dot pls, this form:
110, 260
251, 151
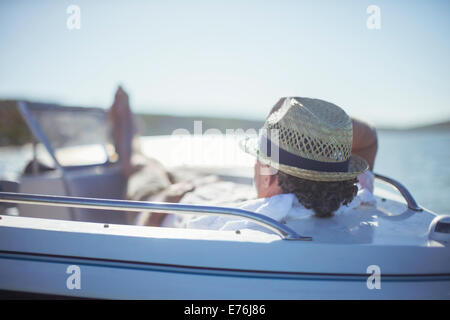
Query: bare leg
148, 180
124, 130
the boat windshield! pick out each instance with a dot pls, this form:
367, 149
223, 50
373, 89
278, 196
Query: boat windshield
73, 136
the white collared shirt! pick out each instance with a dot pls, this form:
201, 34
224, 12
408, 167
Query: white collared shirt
283, 208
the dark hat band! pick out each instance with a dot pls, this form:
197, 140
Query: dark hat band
293, 160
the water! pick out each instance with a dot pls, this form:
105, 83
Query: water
419, 160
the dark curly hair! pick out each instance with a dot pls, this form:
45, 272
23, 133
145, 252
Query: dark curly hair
322, 197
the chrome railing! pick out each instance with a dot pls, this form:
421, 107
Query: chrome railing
410, 201
285, 232
162, 207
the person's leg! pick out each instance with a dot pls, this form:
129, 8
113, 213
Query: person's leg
124, 130
147, 178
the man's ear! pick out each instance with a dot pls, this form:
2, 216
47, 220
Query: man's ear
265, 181
273, 179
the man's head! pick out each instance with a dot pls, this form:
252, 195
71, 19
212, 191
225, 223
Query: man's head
323, 197
308, 155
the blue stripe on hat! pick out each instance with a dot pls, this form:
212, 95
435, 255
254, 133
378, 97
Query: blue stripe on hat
293, 160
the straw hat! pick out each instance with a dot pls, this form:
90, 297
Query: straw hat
309, 139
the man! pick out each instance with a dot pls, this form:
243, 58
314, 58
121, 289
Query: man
317, 151
305, 167
323, 194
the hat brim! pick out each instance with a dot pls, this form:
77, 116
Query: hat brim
357, 165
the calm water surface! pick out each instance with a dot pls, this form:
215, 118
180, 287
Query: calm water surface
419, 160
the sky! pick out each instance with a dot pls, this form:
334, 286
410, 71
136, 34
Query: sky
232, 58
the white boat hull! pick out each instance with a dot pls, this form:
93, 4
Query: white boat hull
129, 262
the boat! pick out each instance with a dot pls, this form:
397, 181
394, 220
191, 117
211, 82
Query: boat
65, 232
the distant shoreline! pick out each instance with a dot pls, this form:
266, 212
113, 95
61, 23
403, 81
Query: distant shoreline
440, 126
14, 131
